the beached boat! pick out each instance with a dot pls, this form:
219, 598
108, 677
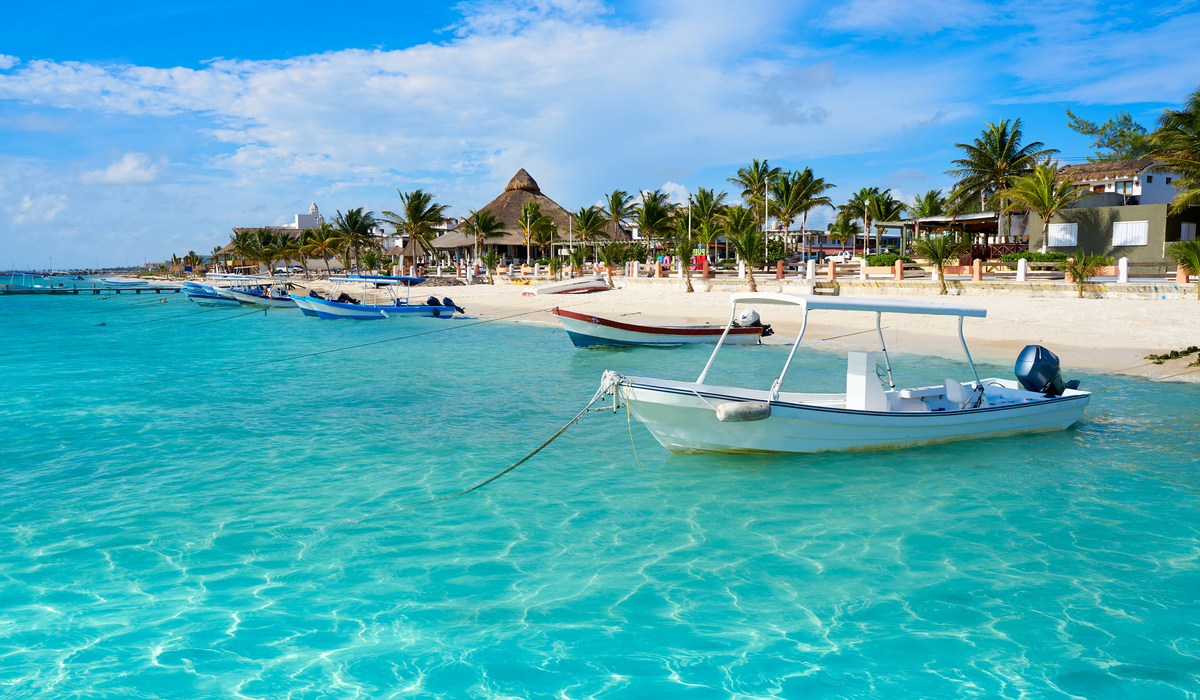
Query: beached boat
591, 283
699, 417
342, 306
109, 282
587, 331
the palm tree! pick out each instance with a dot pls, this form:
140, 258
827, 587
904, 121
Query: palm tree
320, 243
706, 207
858, 208
1186, 254
589, 224
939, 249
482, 225
356, 232
812, 191
417, 217
707, 233
1177, 145
532, 224
612, 254
753, 181
653, 214
993, 164
742, 234
618, 208
932, 203
844, 229
577, 257
216, 256
883, 207
1082, 267
490, 260
545, 234
683, 244
1039, 191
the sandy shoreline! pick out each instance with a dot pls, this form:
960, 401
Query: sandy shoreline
1089, 335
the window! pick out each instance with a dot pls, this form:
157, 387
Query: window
1187, 231
1168, 181
1124, 188
1062, 236
1149, 179
1130, 233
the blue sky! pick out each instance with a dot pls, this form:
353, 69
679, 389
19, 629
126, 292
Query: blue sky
133, 132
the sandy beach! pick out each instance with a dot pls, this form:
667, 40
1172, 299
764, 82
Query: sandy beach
1089, 335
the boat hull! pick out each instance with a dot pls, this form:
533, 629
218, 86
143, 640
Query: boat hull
682, 417
303, 305
255, 300
334, 310
592, 332
594, 283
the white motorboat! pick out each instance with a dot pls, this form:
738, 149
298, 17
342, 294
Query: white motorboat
590, 283
698, 417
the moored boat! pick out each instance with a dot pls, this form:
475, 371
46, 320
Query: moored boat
338, 305
587, 331
698, 417
590, 283
109, 282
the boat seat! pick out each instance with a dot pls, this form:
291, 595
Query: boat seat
960, 395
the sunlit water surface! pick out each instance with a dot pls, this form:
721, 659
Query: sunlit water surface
244, 534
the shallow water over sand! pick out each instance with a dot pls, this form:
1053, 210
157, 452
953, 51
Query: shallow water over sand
242, 534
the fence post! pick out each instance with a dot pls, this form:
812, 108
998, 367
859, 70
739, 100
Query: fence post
412, 270
1181, 275
679, 270
862, 268
779, 270
831, 273
1123, 271
1067, 276
976, 270
705, 273
658, 269
899, 271
741, 269
810, 270
634, 267
1022, 269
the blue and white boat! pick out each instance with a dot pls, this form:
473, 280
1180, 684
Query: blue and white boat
110, 282
338, 305
208, 296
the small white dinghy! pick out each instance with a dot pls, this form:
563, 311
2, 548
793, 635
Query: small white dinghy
591, 283
698, 417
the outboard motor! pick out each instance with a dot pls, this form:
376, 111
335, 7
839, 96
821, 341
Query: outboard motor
1037, 370
749, 319
432, 301
447, 301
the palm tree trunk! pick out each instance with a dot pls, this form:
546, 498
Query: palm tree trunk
687, 274
750, 271
942, 277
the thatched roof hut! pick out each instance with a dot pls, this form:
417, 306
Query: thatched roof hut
412, 251
177, 268
506, 208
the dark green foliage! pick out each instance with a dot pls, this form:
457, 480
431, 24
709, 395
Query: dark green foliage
1033, 256
887, 259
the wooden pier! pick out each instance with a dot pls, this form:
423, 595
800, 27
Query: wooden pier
94, 289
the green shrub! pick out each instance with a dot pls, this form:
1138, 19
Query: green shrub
887, 260
1105, 260
1033, 257
542, 261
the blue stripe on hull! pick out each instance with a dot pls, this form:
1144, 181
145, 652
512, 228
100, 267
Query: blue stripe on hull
590, 341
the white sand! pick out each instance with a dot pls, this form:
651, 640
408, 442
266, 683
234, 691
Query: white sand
1092, 335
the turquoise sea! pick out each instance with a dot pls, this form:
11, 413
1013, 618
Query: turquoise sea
244, 534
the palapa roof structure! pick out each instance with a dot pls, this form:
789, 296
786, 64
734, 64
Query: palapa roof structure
228, 247
1105, 170
507, 208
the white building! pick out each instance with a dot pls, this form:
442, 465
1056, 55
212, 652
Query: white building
312, 219
1124, 181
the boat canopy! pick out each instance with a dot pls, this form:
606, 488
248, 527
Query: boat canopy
378, 279
810, 302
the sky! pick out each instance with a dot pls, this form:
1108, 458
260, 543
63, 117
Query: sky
133, 131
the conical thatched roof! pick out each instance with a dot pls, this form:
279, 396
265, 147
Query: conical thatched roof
507, 208
177, 268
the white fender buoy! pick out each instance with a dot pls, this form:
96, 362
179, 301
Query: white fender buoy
743, 411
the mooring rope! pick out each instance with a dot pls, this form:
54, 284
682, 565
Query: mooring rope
514, 465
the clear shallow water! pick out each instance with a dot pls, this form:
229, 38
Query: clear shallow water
243, 534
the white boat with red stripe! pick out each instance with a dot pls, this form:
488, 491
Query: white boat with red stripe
588, 331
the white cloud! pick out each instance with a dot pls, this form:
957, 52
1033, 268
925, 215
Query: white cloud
7, 62
38, 209
131, 169
679, 193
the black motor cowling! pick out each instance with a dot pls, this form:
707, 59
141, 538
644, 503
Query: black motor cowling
1038, 370
432, 301
447, 301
